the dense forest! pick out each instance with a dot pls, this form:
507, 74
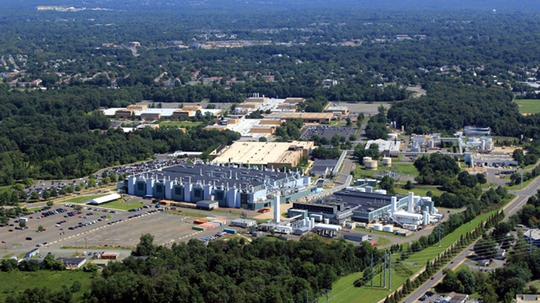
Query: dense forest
267, 270
59, 135
449, 107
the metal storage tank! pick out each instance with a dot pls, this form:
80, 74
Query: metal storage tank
377, 226
371, 164
387, 161
388, 228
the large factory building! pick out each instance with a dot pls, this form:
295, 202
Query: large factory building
409, 212
230, 186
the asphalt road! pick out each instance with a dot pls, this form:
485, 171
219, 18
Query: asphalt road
510, 209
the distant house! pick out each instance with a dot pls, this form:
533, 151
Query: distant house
521, 298
109, 256
73, 263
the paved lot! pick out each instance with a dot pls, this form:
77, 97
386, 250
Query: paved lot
368, 108
94, 228
164, 227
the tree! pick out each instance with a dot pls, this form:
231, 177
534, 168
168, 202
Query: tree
145, 247
326, 153
50, 263
468, 281
436, 168
450, 283
8, 265
40, 228
360, 152
387, 183
408, 185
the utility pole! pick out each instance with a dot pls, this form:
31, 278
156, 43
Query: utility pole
371, 270
384, 271
530, 242
390, 271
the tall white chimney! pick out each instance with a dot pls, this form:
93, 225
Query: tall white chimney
277, 209
410, 205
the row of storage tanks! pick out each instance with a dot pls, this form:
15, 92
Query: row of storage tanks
370, 163
380, 227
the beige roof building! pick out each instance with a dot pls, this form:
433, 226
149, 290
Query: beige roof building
276, 154
306, 117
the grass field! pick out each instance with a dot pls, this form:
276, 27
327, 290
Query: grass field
528, 106
17, 281
343, 290
123, 205
179, 124
120, 204
401, 168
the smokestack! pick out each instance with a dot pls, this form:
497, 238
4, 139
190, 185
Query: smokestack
410, 205
394, 204
277, 209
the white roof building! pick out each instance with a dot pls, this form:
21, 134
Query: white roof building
105, 199
390, 146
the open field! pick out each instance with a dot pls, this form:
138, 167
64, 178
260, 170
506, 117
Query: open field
120, 204
368, 108
403, 169
528, 106
123, 204
343, 291
16, 281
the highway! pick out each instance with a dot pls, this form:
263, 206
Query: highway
510, 209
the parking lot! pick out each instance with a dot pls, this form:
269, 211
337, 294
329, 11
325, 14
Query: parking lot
94, 228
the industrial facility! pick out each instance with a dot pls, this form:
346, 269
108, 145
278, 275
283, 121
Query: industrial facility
248, 128
229, 186
390, 147
271, 154
143, 112
410, 212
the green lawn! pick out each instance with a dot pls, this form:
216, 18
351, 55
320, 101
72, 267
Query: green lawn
120, 204
16, 281
343, 290
528, 106
401, 168
179, 124
123, 205
383, 242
